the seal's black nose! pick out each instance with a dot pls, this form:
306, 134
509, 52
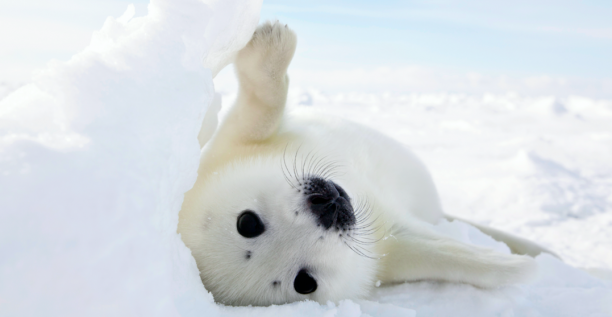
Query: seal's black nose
329, 203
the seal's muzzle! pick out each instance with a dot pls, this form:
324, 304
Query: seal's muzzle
329, 203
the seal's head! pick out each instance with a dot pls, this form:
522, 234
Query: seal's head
267, 233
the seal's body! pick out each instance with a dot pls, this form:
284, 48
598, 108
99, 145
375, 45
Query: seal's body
301, 205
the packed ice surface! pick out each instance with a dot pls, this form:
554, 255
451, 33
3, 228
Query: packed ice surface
96, 153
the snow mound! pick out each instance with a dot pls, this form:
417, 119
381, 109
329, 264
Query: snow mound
96, 153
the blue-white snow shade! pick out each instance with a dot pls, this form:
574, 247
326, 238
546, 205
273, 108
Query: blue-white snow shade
96, 153
95, 156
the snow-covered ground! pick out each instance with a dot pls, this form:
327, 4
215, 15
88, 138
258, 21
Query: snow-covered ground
96, 152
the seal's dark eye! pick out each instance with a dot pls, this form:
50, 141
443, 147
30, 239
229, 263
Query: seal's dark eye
304, 283
249, 225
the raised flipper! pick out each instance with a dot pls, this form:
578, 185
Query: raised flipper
261, 68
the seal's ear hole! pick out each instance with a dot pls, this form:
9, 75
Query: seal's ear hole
249, 224
304, 283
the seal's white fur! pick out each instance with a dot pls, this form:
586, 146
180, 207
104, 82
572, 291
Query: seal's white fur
260, 159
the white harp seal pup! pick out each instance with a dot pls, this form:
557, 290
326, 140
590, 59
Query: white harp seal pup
296, 205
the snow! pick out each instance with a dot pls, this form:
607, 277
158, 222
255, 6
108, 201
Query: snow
96, 153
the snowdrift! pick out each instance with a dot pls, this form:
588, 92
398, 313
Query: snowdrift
95, 156
96, 153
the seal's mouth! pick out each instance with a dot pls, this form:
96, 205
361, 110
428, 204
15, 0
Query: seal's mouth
329, 203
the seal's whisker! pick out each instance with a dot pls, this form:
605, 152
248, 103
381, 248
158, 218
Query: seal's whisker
317, 167
286, 170
328, 169
304, 167
304, 162
295, 172
361, 252
309, 163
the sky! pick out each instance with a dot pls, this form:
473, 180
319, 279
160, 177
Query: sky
553, 37
530, 47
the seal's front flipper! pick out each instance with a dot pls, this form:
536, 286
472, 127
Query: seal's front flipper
419, 253
261, 67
